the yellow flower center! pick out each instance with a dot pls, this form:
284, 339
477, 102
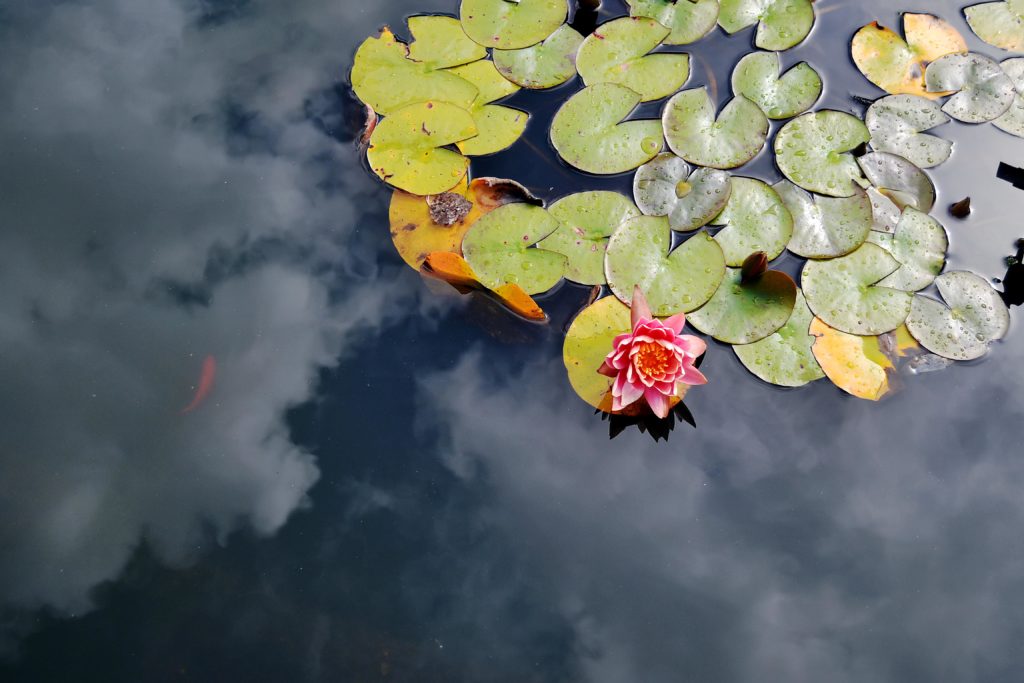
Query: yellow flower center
652, 359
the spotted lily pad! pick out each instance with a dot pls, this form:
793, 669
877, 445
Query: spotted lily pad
744, 312
897, 124
386, 79
499, 248
756, 77
899, 180
695, 134
1013, 120
999, 23
689, 20
983, 91
886, 213
511, 24
855, 364
666, 187
785, 358
544, 65
587, 132
813, 152
845, 293
973, 316
589, 340
826, 227
755, 219
585, 222
919, 244
781, 24
617, 52
681, 281
439, 42
497, 127
405, 148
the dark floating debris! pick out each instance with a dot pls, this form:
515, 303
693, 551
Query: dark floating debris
1013, 283
448, 208
1011, 174
961, 209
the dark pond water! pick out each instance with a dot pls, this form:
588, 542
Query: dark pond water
385, 484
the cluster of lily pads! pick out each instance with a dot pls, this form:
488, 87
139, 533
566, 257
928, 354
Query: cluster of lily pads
854, 203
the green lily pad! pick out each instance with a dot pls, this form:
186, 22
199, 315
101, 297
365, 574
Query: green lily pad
983, 91
677, 282
405, 148
511, 24
497, 127
756, 219
899, 180
585, 222
746, 312
587, 343
694, 133
544, 65
973, 316
1013, 120
919, 244
845, 294
897, 124
499, 249
813, 152
666, 187
440, 43
999, 23
587, 132
785, 358
387, 80
689, 20
826, 227
617, 52
756, 77
884, 210
781, 24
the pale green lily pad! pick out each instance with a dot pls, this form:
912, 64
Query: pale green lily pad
689, 20
587, 132
813, 152
587, 343
617, 52
499, 248
440, 43
899, 180
983, 91
666, 187
498, 127
826, 227
756, 219
405, 148
845, 294
897, 124
884, 210
384, 78
785, 358
744, 313
1013, 120
694, 133
999, 23
757, 78
544, 65
919, 244
781, 24
585, 222
677, 282
511, 25
973, 316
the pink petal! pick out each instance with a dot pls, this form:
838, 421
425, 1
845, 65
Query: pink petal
694, 346
658, 402
676, 322
640, 310
630, 394
693, 377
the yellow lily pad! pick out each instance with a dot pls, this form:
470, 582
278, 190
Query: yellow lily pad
855, 364
498, 127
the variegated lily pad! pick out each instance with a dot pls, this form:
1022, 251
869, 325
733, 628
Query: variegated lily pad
845, 293
813, 152
973, 316
499, 248
585, 222
999, 23
677, 282
694, 133
826, 227
854, 363
781, 24
666, 187
617, 52
897, 124
587, 132
919, 244
746, 312
983, 91
510, 25
497, 127
899, 180
785, 358
757, 78
440, 43
544, 65
689, 20
755, 219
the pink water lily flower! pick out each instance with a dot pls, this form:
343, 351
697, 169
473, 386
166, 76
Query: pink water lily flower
649, 362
